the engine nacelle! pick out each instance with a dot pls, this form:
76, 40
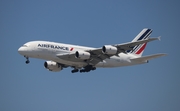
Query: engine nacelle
108, 49
52, 66
82, 55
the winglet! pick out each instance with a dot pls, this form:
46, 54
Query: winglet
156, 38
159, 38
153, 38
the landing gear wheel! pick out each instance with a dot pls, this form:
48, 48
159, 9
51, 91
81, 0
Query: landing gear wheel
72, 71
75, 70
27, 62
94, 68
82, 70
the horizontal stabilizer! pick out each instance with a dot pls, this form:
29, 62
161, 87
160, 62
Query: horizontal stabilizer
146, 58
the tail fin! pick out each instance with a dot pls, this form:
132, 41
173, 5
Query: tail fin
139, 49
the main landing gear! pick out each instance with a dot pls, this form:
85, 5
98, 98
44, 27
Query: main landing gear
27, 60
87, 68
75, 70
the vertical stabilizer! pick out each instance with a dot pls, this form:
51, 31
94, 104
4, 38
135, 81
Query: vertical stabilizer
139, 49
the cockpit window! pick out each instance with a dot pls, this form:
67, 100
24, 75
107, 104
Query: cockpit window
24, 45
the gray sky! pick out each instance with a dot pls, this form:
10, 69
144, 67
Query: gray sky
149, 87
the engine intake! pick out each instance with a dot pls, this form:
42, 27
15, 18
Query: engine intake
82, 55
52, 66
108, 49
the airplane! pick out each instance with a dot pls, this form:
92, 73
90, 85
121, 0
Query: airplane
86, 59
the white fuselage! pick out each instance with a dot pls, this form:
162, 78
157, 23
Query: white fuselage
49, 50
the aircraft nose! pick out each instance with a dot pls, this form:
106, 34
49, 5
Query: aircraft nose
20, 50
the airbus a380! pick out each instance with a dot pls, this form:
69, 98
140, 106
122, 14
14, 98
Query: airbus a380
86, 59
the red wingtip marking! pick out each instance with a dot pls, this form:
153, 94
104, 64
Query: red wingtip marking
71, 49
141, 49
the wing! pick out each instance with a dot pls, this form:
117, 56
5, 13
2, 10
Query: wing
69, 57
97, 55
146, 58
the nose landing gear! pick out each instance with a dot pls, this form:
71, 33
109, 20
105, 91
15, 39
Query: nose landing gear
27, 60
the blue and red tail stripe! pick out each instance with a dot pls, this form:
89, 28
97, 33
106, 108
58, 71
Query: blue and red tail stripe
141, 49
144, 34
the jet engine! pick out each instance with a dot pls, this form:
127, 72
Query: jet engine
108, 49
82, 55
52, 66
